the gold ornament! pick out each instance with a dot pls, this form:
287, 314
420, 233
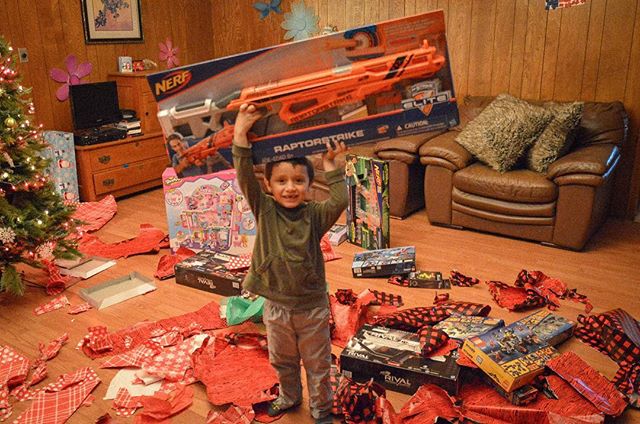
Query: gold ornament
10, 122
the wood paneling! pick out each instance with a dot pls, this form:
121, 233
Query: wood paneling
588, 52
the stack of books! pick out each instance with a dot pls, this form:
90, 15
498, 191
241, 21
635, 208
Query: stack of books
132, 126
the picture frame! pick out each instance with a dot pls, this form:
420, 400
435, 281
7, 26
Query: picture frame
112, 21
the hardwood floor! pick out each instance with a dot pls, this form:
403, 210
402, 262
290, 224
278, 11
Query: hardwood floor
607, 272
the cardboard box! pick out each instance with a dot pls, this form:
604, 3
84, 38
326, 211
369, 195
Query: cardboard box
115, 291
384, 262
369, 83
208, 212
461, 327
428, 280
84, 267
512, 356
62, 169
392, 358
368, 208
549, 327
207, 271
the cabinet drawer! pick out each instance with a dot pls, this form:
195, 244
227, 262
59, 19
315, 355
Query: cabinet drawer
149, 113
129, 175
102, 159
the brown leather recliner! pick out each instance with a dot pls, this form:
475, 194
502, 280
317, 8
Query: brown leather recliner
563, 207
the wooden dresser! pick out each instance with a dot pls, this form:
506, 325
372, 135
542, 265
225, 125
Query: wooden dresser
132, 164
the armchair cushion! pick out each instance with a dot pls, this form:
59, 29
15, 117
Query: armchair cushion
556, 139
503, 131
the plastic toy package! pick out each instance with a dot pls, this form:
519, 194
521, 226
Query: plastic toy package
369, 83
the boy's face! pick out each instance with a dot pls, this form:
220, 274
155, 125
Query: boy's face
288, 184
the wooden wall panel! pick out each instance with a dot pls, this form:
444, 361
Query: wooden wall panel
588, 52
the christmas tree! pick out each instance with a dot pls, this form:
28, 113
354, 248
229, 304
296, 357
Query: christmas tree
34, 221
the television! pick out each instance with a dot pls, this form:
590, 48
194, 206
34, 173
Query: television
94, 104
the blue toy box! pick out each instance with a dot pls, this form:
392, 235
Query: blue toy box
62, 168
365, 84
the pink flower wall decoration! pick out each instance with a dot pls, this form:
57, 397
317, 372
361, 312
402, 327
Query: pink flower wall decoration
72, 76
169, 53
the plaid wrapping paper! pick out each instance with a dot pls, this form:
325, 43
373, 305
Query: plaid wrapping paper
14, 368
232, 415
136, 357
415, 318
459, 279
551, 289
95, 214
124, 404
514, 298
55, 403
616, 334
57, 303
431, 339
51, 350
358, 400
172, 363
57, 282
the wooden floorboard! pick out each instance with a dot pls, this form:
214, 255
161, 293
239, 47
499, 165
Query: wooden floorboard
606, 271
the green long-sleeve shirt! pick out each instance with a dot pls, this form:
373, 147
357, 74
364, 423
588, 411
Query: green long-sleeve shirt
287, 265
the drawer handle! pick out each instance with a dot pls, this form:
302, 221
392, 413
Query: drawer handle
104, 159
108, 182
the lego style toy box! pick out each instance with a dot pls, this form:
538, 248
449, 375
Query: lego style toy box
384, 262
511, 356
392, 358
368, 208
208, 212
369, 83
551, 328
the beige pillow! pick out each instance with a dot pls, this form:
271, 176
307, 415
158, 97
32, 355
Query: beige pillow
503, 131
555, 140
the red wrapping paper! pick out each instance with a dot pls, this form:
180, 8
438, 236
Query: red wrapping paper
167, 263
428, 404
589, 383
149, 239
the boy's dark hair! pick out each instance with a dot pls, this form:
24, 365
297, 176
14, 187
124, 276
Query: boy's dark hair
268, 168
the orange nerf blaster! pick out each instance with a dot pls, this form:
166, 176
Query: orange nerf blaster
307, 95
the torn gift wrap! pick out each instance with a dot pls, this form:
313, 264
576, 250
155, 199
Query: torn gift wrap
94, 215
149, 239
54, 304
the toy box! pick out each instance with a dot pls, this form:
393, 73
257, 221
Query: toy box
461, 327
208, 212
428, 280
62, 168
368, 208
369, 83
384, 262
392, 358
337, 234
208, 271
549, 327
512, 356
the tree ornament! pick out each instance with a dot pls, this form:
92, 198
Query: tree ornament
7, 235
10, 122
2, 91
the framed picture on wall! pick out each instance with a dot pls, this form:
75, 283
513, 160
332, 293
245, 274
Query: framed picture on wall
112, 21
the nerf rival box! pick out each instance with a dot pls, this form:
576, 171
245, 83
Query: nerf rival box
549, 327
384, 262
392, 358
209, 271
368, 208
369, 83
208, 212
512, 356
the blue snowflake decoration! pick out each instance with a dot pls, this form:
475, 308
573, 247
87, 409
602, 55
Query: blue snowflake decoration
265, 9
300, 23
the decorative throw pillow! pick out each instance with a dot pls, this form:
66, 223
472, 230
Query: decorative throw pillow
503, 131
556, 138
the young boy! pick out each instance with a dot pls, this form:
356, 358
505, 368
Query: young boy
287, 267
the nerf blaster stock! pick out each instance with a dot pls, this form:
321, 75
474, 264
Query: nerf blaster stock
298, 98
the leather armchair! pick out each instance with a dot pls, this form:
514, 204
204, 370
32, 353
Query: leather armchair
563, 207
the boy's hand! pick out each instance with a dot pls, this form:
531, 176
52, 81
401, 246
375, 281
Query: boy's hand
247, 116
328, 158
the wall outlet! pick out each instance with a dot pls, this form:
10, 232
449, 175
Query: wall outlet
23, 54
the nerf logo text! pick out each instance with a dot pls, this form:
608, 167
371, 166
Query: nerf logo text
173, 82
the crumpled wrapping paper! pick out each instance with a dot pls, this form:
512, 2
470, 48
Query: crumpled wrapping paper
149, 239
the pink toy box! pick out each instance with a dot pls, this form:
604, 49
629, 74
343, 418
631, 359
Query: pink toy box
208, 212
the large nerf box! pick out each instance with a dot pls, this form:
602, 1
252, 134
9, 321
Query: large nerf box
368, 208
392, 358
208, 212
209, 271
369, 83
384, 262
62, 166
512, 356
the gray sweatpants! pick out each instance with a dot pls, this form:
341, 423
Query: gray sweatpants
294, 335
